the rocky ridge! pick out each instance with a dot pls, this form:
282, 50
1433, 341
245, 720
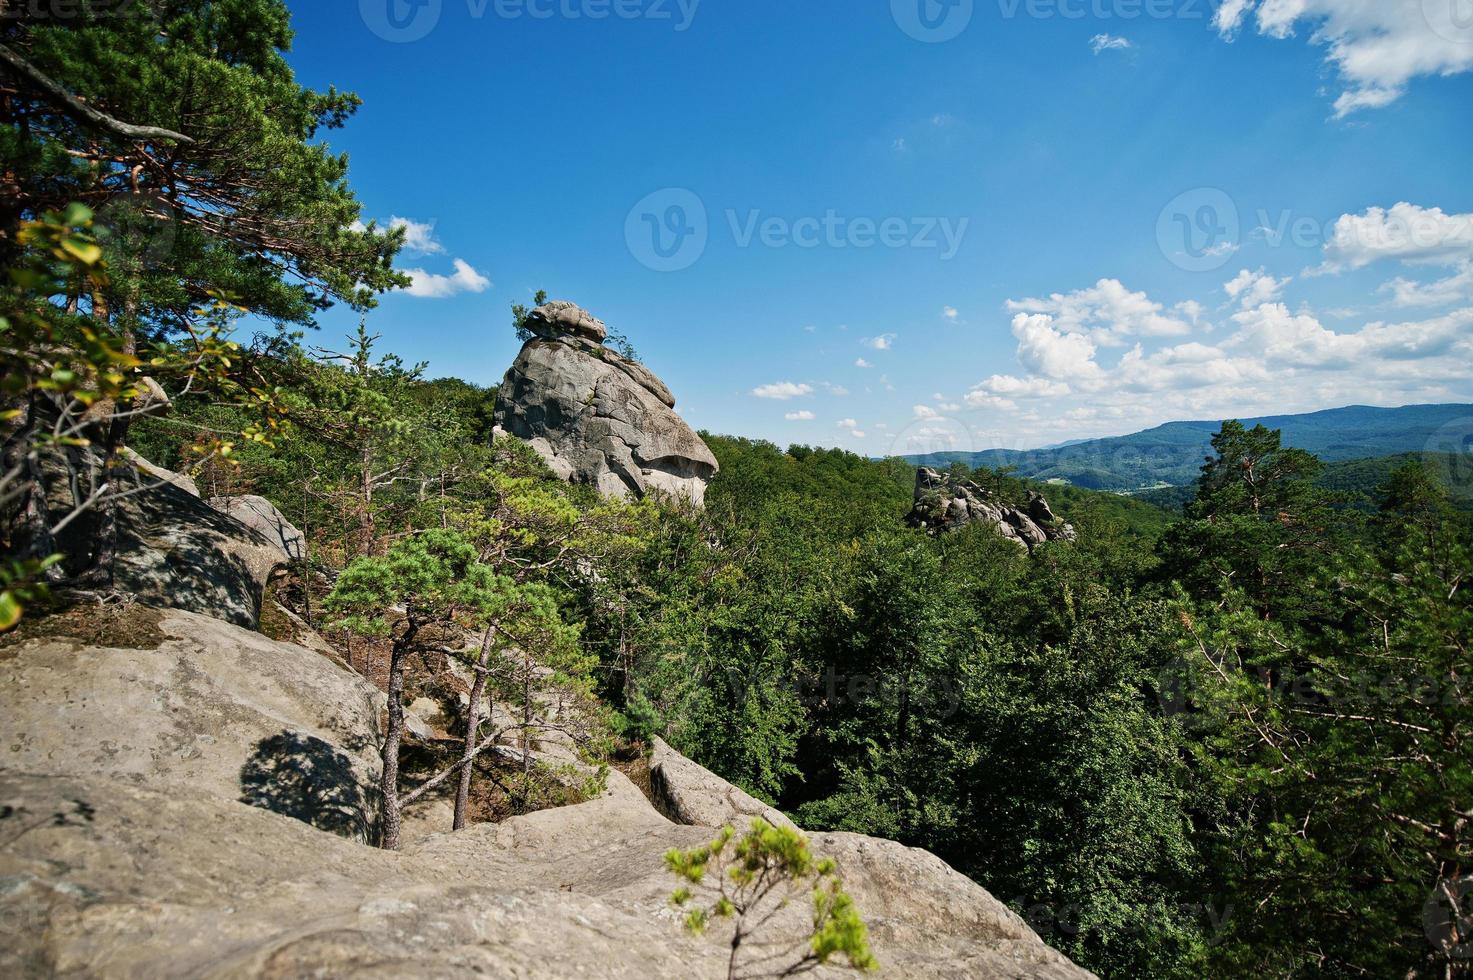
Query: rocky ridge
595, 416
945, 504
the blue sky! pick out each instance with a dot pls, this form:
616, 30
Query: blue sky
1040, 220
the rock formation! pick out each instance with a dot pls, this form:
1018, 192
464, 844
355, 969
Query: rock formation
186, 799
261, 515
596, 417
176, 551
944, 504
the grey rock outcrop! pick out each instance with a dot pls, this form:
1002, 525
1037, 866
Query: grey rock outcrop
261, 515
689, 793
187, 701
177, 552
596, 417
944, 504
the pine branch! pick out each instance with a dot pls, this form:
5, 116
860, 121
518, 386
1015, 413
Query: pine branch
77, 107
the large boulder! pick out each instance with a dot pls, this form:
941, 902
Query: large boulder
596, 417
260, 514
177, 552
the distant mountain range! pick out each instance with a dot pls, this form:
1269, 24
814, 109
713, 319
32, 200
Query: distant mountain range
1172, 454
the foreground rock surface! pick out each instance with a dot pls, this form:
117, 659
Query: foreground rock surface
137, 838
944, 504
596, 417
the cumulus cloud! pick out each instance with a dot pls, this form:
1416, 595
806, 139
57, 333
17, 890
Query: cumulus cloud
1107, 313
419, 236
1252, 289
883, 342
1046, 350
802, 416
1265, 359
1405, 233
925, 412
1441, 292
1008, 386
950, 313
1377, 46
1108, 42
428, 285
782, 390
862, 363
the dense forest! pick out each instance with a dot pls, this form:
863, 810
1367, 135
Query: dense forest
1230, 738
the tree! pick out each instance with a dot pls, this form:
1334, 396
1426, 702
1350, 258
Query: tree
1336, 754
519, 312
72, 385
754, 876
1258, 524
181, 127
437, 579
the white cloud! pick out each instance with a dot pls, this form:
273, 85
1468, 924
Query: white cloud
1266, 359
782, 390
883, 342
428, 285
1378, 46
1106, 312
1108, 42
419, 236
1406, 232
1045, 350
1280, 338
1191, 309
950, 313
950, 407
1252, 289
803, 416
899, 145
838, 391
1442, 292
925, 412
862, 363
1007, 386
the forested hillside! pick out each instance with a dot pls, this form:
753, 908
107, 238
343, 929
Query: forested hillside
1230, 739
1172, 453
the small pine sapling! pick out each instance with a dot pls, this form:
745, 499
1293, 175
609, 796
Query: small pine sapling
749, 879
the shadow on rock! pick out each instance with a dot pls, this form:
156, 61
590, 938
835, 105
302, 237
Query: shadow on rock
303, 777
